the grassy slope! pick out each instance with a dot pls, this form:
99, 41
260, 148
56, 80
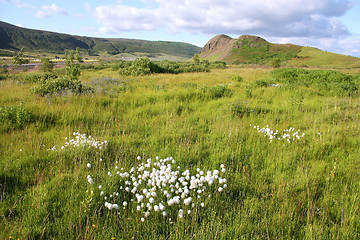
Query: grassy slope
314, 57
305, 190
14, 38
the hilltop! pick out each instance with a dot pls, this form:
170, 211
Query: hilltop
13, 38
256, 50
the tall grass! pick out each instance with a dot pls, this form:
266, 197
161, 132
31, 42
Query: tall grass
306, 189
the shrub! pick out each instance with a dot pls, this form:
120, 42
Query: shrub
60, 85
15, 117
47, 65
144, 66
239, 109
18, 59
276, 63
219, 91
326, 82
72, 68
237, 78
38, 77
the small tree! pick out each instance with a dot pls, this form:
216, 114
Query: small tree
275, 62
18, 59
196, 59
47, 65
78, 57
72, 68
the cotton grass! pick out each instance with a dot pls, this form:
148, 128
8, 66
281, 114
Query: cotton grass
158, 188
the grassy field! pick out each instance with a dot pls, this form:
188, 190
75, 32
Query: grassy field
284, 186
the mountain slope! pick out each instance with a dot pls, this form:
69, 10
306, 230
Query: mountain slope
256, 50
14, 38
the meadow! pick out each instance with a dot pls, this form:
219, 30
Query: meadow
234, 153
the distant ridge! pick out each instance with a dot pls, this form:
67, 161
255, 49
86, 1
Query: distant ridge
251, 49
14, 38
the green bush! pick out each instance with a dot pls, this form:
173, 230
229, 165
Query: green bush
326, 82
38, 77
47, 65
237, 78
15, 117
219, 91
60, 85
4, 73
276, 63
144, 66
239, 109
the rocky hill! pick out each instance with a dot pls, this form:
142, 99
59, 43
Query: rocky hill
256, 50
247, 49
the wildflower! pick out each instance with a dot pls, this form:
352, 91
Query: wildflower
187, 201
181, 213
90, 179
88, 165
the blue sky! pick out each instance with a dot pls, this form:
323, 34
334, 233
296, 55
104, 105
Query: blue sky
331, 25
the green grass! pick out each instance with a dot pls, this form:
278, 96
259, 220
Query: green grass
308, 189
313, 57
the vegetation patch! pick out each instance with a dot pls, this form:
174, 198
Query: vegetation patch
326, 82
143, 66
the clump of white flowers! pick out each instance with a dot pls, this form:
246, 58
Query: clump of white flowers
156, 187
289, 135
81, 140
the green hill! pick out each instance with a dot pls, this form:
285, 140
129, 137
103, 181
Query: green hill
14, 38
256, 50
309, 56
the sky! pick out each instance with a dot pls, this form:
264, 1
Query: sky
330, 25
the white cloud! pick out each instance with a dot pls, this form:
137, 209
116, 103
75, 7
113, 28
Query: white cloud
304, 22
87, 7
18, 3
282, 18
50, 10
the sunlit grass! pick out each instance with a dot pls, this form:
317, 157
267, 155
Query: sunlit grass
302, 189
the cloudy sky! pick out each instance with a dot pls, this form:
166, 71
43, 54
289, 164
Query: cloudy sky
331, 25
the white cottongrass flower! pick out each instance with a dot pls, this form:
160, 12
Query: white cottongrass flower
154, 187
288, 135
81, 140
88, 165
181, 213
90, 179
